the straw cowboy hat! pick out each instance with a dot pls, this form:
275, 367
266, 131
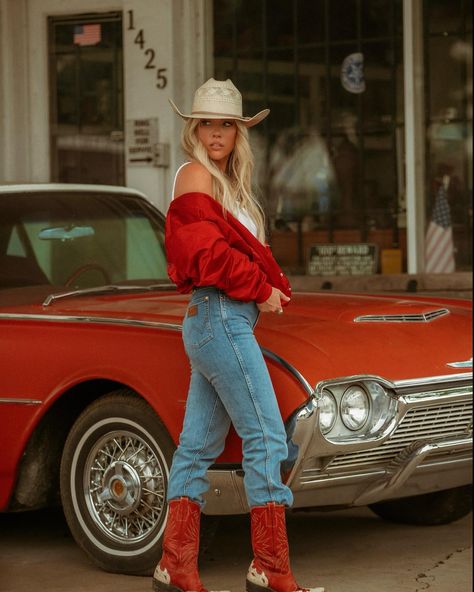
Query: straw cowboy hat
219, 99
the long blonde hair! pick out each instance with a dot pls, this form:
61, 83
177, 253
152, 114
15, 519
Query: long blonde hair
232, 189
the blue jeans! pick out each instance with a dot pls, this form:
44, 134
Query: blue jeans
229, 383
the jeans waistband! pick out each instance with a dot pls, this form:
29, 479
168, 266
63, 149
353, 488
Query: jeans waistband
207, 290
213, 291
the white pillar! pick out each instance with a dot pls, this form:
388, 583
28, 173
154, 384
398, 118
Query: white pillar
414, 132
179, 32
147, 88
15, 128
191, 62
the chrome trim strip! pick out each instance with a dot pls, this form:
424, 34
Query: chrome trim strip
291, 369
348, 379
11, 400
429, 381
422, 317
153, 324
435, 396
105, 291
313, 483
90, 320
50, 187
432, 380
464, 364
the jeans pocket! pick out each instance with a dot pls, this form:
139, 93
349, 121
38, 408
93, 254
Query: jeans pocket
197, 328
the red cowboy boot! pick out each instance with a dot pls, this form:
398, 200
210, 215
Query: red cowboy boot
177, 569
270, 569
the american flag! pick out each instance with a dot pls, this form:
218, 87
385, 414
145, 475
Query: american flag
439, 248
87, 34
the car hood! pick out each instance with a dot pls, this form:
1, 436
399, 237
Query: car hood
322, 335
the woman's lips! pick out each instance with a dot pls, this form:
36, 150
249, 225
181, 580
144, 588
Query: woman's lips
216, 146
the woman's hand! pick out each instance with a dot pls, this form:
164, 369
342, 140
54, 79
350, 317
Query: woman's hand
273, 303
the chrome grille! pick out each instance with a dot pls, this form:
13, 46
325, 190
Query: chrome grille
422, 423
424, 317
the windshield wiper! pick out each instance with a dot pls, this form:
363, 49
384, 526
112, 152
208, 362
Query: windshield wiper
106, 290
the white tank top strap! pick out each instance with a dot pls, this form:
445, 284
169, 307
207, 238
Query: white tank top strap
176, 176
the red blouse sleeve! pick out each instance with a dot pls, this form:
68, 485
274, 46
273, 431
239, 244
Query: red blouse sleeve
199, 254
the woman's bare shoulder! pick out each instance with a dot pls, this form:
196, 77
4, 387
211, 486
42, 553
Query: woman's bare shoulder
194, 177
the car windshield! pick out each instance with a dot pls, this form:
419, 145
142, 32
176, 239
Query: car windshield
79, 239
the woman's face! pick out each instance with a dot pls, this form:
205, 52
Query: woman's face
218, 137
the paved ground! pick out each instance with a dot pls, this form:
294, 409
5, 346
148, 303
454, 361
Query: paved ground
346, 551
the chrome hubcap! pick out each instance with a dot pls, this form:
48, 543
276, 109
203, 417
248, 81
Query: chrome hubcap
124, 486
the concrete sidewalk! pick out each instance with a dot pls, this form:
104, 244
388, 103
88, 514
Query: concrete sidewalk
346, 551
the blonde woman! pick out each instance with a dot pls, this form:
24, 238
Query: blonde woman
215, 243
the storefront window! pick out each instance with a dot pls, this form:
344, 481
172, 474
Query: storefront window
448, 50
329, 157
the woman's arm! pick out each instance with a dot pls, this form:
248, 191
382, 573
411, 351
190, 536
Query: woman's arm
198, 251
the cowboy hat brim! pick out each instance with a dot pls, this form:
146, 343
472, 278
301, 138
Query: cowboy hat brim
247, 121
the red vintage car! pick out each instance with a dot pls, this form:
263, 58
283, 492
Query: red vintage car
375, 391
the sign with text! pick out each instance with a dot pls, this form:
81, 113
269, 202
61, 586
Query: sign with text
342, 259
142, 138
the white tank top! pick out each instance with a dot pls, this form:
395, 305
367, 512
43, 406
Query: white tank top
241, 216
247, 221
175, 177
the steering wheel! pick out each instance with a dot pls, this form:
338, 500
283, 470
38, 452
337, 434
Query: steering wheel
83, 269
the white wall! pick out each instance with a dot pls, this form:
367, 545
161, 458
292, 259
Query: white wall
143, 99
175, 30
178, 31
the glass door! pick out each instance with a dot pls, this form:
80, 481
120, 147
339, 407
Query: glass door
86, 99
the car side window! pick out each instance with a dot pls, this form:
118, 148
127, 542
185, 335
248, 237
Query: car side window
16, 246
41, 249
142, 261
79, 239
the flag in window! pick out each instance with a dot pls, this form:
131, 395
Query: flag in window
87, 34
439, 247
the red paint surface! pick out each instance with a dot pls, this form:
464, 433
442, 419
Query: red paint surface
42, 359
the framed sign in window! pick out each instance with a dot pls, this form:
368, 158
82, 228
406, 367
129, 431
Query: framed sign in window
343, 259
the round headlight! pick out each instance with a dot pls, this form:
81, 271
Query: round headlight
355, 407
327, 411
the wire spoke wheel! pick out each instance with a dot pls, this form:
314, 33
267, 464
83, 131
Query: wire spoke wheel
124, 486
114, 480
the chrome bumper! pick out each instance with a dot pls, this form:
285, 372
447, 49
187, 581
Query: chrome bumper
404, 465
424, 465
226, 494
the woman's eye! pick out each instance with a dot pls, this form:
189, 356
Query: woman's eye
228, 123
205, 122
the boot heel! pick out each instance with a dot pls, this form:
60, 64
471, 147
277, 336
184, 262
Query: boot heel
252, 587
162, 587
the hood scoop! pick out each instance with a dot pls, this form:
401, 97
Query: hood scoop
418, 317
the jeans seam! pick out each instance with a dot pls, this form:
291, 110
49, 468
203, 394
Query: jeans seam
250, 389
203, 447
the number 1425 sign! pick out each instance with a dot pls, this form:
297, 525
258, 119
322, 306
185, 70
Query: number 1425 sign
149, 52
